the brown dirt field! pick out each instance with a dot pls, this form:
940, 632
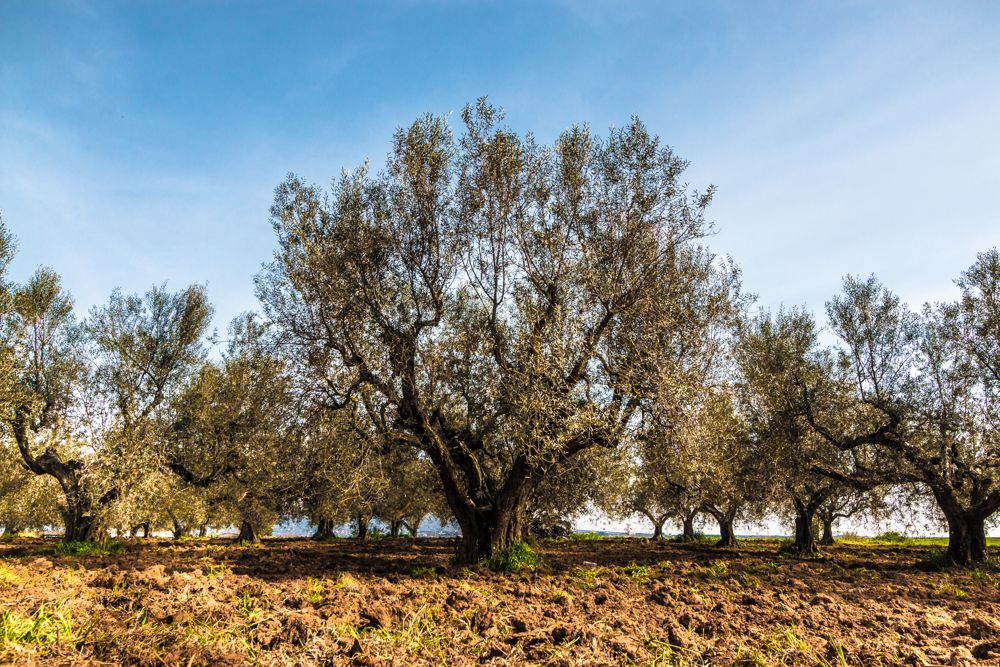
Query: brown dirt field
396, 602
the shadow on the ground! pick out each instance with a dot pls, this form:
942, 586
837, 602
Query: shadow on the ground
392, 558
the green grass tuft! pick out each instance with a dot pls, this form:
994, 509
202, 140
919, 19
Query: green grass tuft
421, 572
103, 548
518, 556
45, 626
585, 537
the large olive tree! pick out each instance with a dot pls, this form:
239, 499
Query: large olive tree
489, 300
923, 398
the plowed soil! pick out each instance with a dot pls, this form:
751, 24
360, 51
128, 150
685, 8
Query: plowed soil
398, 602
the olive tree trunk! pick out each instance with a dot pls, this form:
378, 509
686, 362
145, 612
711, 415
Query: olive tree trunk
491, 530
805, 539
687, 526
727, 538
827, 538
966, 538
361, 522
248, 533
324, 530
725, 518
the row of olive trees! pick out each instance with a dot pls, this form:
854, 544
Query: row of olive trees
542, 323
512, 310
121, 422
904, 405
519, 331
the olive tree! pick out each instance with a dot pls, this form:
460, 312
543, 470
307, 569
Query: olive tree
471, 297
234, 430
924, 395
849, 502
727, 473
85, 396
27, 501
411, 493
775, 355
338, 470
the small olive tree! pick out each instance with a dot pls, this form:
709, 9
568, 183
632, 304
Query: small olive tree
775, 354
234, 429
86, 397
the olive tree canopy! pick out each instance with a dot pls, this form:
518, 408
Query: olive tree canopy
497, 303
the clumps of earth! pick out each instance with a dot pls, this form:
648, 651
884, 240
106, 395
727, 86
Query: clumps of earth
399, 602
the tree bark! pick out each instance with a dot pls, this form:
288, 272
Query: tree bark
966, 538
324, 530
827, 538
488, 532
361, 526
805, 541
727, 538
79, 522
203, 530
657, 522
248, 533
395, 527
687, 530
725, 518
179, 529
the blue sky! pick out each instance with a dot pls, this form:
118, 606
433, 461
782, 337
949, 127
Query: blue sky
141, 142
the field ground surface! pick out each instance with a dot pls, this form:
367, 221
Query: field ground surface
399, 602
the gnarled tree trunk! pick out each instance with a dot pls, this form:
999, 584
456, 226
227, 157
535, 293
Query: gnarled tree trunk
78, 521
179, 529
395, 527
727, 538
966, 538
805, 540
248, 533
657, 522
324, 530
78, 511
827, 538
489, 531
687, 526
725, 519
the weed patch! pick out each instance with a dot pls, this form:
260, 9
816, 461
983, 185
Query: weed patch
518, 556
105, 548
45, 626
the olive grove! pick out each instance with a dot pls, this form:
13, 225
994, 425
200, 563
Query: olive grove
506, 335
